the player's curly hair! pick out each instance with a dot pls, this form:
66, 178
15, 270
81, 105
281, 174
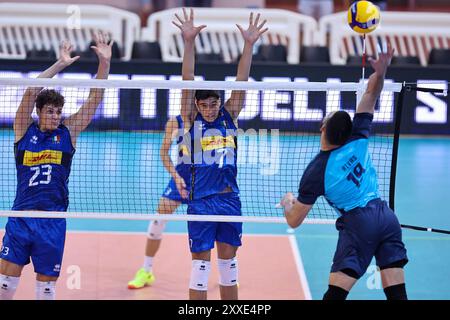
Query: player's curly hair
338, 128
49, 97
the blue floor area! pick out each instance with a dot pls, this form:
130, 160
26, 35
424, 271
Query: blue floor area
423, 179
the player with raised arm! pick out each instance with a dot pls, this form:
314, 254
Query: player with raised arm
43, 153
214, 190
176, 193
343, 173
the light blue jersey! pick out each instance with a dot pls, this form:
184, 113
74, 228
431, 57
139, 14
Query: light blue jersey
367, 227
345, 176
350, 178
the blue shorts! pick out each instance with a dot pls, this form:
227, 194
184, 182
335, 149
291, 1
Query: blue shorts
203, 234
171, 193
41, 239
366, 232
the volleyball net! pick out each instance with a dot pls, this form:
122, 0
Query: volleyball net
117, 171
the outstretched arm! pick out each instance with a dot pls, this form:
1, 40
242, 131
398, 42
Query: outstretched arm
294, 211
236, 102
23, 115
189, 32
80, 120
376, 81
171, 133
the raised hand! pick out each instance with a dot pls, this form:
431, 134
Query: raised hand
103, 46
65, 50
384, 60
254, 30
186, 25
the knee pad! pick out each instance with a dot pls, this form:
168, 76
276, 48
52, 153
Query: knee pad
45, 290
228, 272
200, 275
155, 229
8, 286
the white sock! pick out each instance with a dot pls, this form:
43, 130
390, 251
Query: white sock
45, 290
148, 263
8, 286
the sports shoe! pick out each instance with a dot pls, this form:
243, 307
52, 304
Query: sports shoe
141, 279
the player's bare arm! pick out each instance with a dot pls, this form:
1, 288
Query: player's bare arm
376, 81
170, 134
189, 32
250, 35
80, 120
23, 116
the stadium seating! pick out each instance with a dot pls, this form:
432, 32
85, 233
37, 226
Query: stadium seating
410, 33
42, 26
439, 56
30, 30
287, 28
272, 53
144, 50
314, 54
405, 60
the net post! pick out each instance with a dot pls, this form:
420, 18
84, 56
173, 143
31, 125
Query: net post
397, 125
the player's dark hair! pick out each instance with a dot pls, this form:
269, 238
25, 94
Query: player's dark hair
205, 94
49, 96
338, 128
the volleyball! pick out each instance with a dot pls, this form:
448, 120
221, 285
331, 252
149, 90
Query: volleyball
363, 17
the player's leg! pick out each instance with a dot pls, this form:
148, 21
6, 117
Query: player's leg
201, 268
393, 280
47, 254
15, 254
45, 287
339, 285
228, 271
9, 279
201, 240
391, 256
228, 238
350, 261
144, 276
357, 243
156, 228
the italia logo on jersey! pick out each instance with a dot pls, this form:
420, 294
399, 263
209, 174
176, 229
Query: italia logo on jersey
56, 139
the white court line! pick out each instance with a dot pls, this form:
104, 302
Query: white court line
300, 268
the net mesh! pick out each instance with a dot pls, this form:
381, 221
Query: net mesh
117, 168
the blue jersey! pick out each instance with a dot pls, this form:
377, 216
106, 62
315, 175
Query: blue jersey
345, 176
213, 155
43, 161
183, 169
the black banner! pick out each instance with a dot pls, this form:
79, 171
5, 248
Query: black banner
423, 112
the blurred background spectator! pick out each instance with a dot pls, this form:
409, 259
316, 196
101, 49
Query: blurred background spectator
315, 8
